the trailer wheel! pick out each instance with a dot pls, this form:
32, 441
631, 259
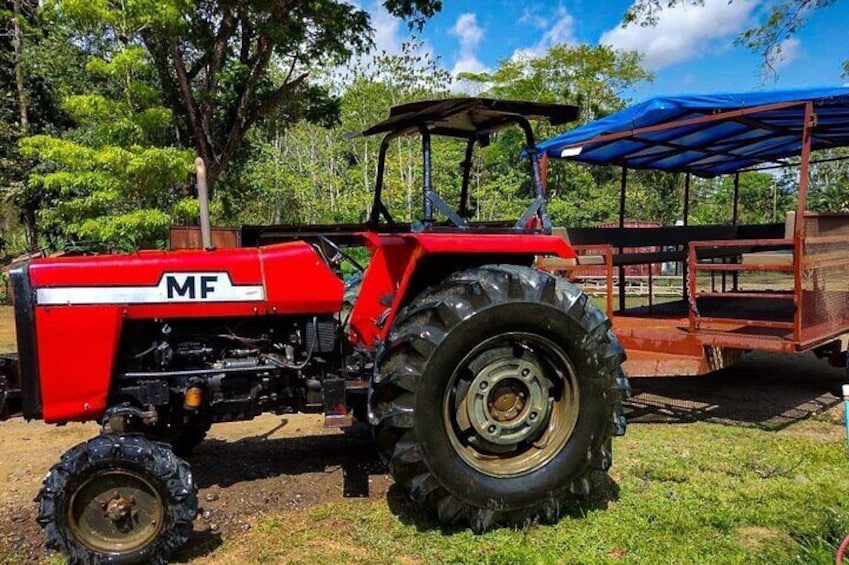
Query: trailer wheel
119, 500
496, 394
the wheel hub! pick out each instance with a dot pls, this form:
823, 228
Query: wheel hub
508, 401
118, 508
512, 404
115, 510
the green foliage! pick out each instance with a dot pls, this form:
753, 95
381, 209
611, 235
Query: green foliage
762, 198
109, 181
592, 78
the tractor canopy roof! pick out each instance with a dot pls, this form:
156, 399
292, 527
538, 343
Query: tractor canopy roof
468, 118
712, 134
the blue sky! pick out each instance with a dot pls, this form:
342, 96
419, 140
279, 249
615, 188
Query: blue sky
690, 51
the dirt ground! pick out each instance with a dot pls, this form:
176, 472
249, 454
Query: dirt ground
244, 470
282, 465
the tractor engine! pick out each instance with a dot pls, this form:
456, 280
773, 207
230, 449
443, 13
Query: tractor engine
216, 370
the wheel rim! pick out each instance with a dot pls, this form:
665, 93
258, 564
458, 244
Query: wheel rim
116, 511
512, 404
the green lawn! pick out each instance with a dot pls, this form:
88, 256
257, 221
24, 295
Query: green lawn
678, 493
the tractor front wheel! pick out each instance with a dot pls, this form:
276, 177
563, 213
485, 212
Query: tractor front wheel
119, 500
496, 394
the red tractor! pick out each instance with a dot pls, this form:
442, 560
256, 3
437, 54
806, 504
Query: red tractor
492, 388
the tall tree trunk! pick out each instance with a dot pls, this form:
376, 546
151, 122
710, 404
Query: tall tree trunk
278, 199
28, 207
18, 46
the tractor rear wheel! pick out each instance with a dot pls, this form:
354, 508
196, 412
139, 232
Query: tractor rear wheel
118, 500
496, 394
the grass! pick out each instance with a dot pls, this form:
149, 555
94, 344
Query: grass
692, 493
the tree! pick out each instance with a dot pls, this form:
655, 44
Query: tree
311, 173
26, 106
783, 20
216, 59
762, 198
591, 77
594, 78
112, 179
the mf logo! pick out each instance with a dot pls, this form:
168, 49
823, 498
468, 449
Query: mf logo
172, 287
191, 286
209, 287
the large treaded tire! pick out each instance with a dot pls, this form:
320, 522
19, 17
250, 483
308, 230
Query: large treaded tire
170, 475
413, 370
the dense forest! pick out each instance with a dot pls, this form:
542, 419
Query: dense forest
105, 105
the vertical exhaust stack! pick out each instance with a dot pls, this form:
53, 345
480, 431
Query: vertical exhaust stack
203, 200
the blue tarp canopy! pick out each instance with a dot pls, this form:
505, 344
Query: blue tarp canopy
708, 135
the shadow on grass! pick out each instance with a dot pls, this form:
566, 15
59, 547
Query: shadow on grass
603, 491
764, 391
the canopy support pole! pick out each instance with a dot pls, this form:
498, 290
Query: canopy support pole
735, 217
734, 213
623, 185
686, 220
804, 169
799, 231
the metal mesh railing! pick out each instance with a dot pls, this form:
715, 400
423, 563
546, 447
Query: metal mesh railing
824, 277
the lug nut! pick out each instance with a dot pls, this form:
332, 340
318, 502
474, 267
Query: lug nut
533, 416
526, 372
491, 429
484, 384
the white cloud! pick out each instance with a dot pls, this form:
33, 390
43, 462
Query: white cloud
531, 16
682, 32
562, 30
386, 26
469, 34
784, 54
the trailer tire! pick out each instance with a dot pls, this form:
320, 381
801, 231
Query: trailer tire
159, 500
478, 331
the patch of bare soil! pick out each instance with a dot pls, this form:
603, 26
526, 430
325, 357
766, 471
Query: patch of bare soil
244, 470
756, 537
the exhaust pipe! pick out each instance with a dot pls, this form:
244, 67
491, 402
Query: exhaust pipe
203, 200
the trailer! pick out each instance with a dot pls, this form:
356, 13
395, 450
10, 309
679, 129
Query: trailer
778, 287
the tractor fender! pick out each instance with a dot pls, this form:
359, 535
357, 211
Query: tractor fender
403, 264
